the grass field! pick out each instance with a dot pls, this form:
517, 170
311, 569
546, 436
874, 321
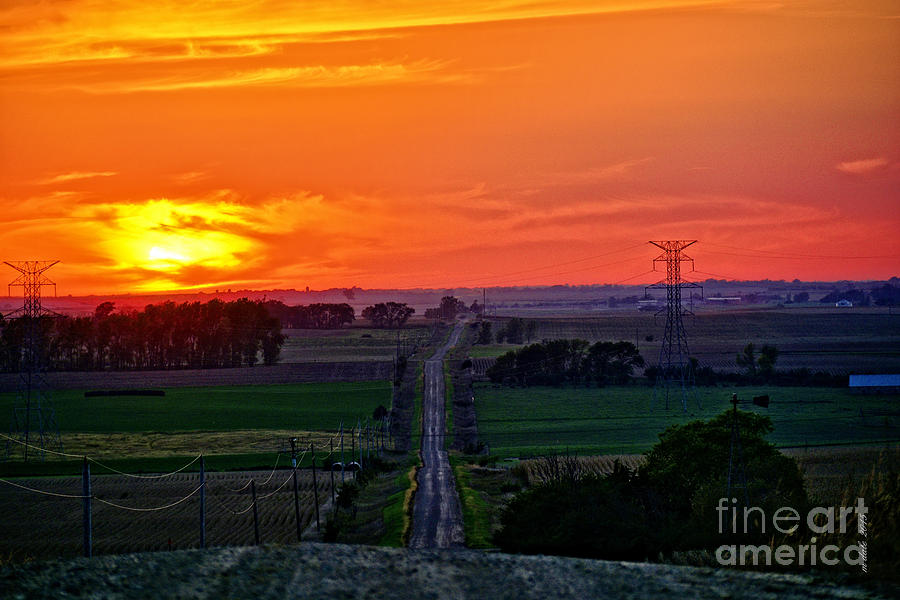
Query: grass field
308, 406
350, 344
242, 426
627, 420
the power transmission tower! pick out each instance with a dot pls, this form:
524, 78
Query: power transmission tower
674, 360
33, 420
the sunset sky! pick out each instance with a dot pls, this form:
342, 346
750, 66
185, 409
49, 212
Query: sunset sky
332, 143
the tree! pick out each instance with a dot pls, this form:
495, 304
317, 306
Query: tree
689, 467
857, 297
668, 504
765, 364
451, 306
747, 360
513, 331
484, 333
612, 362
388, 314
754, 365
380, 413
553, 362
530, 330
886, 295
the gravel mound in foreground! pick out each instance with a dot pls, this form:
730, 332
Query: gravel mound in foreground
338, 571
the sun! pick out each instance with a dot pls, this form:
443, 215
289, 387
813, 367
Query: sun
177, 240
166, 258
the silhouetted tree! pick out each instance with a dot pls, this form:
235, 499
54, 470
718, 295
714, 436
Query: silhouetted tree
388, 314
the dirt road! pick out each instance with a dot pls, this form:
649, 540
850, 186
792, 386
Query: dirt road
437, 518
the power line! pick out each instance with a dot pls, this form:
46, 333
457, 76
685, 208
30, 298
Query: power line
792, 255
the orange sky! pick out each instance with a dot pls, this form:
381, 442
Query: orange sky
278, 144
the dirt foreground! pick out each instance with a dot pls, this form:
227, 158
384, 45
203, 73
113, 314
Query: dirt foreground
340, 571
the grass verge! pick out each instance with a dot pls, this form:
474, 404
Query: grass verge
397, 514
416, 441
476, 511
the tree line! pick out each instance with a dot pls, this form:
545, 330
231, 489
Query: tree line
312, 316
884, 295
557, 362
161, 336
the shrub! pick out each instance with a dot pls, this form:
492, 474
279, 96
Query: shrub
667, 504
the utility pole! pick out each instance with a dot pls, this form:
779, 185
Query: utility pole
737, 473
34, 420
674, 359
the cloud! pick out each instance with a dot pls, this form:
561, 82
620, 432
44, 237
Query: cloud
190, 177
75, 176
316, 76
98, 30
864, 166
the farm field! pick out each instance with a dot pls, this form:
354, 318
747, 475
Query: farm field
857, 340
521, 422
38, 526
234, 423
308, 406
353, 344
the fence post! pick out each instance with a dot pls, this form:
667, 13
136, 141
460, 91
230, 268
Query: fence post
255, 515
342, 453
297, 505
312, 451
202, 503
331, 470
86, 492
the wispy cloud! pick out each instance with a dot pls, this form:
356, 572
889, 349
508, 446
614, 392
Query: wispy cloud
422, 71
75, 176
598, 173
864, 166
98, 30
190, 177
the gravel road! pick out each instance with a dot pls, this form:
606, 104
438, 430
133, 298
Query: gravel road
437, 518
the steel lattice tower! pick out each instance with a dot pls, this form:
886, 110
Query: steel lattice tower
674, 359
33, 420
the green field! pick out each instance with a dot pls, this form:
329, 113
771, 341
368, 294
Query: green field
161, 433
307, 406
622, 420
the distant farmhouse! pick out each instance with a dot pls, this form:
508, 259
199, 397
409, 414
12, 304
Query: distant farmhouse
875, 384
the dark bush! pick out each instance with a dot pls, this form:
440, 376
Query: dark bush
667, 505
